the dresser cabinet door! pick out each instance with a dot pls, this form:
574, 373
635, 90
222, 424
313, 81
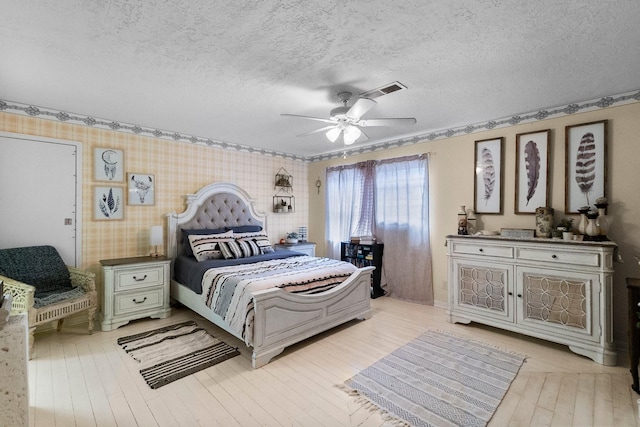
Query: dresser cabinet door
483, 288
559, 302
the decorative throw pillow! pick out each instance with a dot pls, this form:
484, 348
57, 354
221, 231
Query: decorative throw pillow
259, 238
207, 246
187, 232
264, 245
249, 247
230, 249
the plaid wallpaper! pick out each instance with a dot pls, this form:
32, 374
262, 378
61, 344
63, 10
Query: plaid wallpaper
179, 169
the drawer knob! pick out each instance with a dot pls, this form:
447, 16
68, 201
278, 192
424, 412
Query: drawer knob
554, 256
140, 280
519, 295
139, 302
481, 250
510, 293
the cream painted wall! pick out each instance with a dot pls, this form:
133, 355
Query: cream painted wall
451, 185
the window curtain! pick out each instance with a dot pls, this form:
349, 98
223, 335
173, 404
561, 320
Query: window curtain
344, 198
389, 199
402, 224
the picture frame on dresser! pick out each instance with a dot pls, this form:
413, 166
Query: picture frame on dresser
585, 164
488, 160
108, 203
108, 165
532, 171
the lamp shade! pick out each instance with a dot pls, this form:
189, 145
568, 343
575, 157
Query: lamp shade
333, 134
351, 134
156, 237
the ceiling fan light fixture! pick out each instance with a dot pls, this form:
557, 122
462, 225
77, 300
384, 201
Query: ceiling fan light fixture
333, 134
351, 134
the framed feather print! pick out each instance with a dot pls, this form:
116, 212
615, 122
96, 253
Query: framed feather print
108, 203
586, 164
488, 176
532, 171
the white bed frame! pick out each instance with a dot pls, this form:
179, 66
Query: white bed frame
281, 318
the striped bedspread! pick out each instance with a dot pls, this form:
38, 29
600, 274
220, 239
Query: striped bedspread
228, 291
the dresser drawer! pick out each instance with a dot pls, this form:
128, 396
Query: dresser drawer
477, 248
558, 256
138, 277
130, 302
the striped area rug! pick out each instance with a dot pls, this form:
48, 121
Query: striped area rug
437, 380
176, 351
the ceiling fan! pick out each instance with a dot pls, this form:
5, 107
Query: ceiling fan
347, 121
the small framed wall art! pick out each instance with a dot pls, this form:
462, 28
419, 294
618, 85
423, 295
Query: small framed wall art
586, 164
142, 189
107, 203
532, 171
488, 176
108, 165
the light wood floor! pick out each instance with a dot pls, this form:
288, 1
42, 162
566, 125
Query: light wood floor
82, 380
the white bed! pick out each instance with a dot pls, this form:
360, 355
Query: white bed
281, 318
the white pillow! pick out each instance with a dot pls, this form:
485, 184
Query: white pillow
205, 246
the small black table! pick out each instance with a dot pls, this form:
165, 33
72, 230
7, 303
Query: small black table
633, 287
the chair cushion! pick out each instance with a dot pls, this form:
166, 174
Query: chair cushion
57, 297
38, 266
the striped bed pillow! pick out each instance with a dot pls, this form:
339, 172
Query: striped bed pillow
208, 246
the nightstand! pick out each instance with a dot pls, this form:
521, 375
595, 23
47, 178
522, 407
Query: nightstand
134, 288
308, 248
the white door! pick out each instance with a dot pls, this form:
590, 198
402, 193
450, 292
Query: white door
40, 194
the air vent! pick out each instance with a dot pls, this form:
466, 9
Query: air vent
384, 90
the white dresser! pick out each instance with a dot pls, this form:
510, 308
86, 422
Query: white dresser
308, 248
550, 289
134, 288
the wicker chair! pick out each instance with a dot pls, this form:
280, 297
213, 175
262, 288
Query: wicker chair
54, 290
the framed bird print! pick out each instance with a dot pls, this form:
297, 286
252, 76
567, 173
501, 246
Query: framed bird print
532, 171
488, 176
586, 164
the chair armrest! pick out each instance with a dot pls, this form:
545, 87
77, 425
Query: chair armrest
22, 294
82, 278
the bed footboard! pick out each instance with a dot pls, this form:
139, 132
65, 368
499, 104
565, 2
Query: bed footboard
283, 319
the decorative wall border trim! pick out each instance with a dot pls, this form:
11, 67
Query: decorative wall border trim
595, 104
47, 113
578, 107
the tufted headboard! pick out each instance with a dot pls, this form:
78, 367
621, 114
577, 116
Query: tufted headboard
215, 206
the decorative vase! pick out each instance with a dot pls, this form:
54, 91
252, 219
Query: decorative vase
462, 221
604, 220
292, 241
544, 221
472, 226
592, 229
582, 225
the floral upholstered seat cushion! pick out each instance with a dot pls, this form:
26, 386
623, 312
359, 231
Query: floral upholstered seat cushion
39, 266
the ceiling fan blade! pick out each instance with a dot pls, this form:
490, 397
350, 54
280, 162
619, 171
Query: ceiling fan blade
360, 108
387, 122
319, 119
317, 130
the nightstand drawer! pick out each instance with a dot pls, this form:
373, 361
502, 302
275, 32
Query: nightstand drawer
138, 277
137, 301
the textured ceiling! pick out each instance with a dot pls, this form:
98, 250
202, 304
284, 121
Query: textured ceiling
227, 70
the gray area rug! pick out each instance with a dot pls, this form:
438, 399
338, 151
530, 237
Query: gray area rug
176, 351
437, 379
